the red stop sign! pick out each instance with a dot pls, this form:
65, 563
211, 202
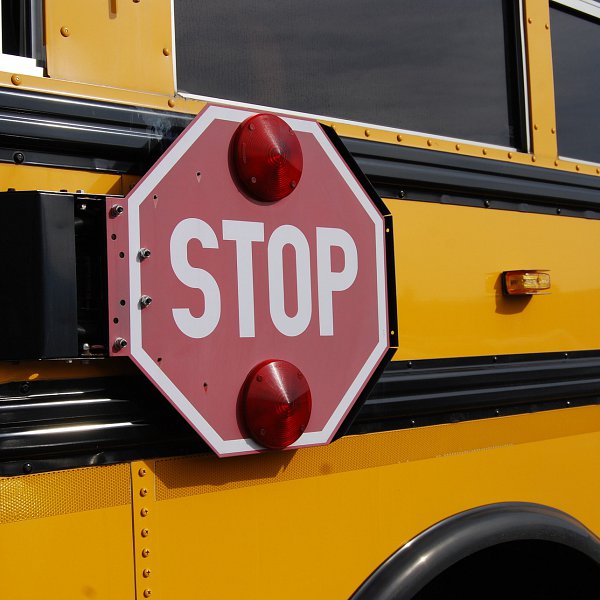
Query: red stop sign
234, 282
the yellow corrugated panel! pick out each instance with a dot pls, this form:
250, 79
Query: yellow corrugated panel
67, 535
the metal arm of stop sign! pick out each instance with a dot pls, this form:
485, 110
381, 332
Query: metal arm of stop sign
245, 234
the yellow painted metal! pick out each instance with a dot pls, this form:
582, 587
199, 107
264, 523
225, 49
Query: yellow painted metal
122, 44
449, 261
67, 535
32, 370
27, 177
316, 522
541, 79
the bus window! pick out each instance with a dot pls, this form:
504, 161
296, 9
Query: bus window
21, 36
575, 51
387, 63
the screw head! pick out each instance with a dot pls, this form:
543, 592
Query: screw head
19, 158
116, 210
145, 532
146, 572
145, 552
64, 31
144, 512
147, 593
27, 468
145, 301
142, 472
144, 253
119, 344
15, 80
143, 492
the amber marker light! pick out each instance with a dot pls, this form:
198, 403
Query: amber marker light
526, 283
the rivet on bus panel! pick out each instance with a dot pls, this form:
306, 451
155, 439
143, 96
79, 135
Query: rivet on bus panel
171, 102
399, 137
484, 152
16, 80
533, 158
64, 31
429, 143
166, 51
457, 147
510, 155
367, 132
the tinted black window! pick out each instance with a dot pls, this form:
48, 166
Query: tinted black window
575, 56
22, 26
422, 65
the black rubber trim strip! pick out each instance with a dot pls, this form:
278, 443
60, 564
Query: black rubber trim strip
391, 167
49, 425
70, 132
48, 130
53, 425
417, 393
417, 563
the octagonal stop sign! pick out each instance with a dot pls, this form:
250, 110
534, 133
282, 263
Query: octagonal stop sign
207, 282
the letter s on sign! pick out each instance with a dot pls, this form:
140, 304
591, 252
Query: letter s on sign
194, 277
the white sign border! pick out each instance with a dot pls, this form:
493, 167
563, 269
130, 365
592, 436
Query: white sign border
137, 352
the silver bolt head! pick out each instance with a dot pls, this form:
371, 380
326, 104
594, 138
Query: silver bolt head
144, 253
145, 301
116, 210
120, 343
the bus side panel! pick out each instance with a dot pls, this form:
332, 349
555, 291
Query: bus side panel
81, 44
449, 262
316, 522
67, 535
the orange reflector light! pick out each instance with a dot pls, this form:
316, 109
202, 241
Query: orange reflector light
519, 283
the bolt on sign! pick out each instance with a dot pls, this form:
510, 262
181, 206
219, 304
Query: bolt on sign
249, 275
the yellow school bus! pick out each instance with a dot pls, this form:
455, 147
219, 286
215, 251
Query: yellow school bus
470, 469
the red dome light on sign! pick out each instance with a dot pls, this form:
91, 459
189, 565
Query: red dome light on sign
276, 404
266, 157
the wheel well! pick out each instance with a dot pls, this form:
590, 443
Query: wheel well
525, 569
